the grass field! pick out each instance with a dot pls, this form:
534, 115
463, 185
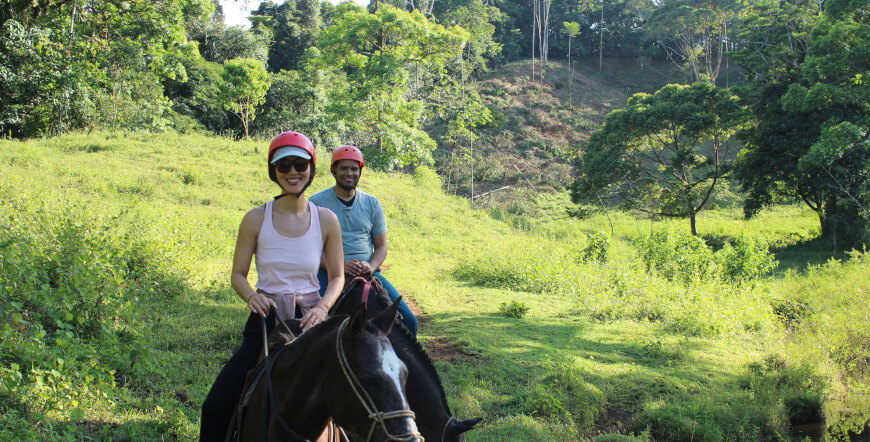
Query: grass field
117, 311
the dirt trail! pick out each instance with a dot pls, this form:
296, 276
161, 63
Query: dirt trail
439, 347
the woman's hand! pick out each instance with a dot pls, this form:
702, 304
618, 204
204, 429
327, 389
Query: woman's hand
258, 303
314, 316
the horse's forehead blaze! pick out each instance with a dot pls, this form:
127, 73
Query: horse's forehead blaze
392, 366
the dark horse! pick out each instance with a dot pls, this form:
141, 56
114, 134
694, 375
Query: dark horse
345, 369
425, 393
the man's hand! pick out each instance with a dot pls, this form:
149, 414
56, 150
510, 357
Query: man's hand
355, 267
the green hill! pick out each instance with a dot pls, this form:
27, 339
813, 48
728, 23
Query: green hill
538, 127
116, 311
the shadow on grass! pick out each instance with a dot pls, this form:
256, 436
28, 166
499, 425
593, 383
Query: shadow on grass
814, 252
606, 377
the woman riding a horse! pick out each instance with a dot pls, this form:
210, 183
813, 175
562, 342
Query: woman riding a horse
288, 237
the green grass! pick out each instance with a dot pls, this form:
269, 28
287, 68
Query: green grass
116, 249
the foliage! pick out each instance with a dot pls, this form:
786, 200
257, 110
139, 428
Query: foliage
694, 32
595, 248
376, 51
808, 67
663, 152
243, 88
513, 310
293, 26
688, 259
45, 81
72, 285
220, 44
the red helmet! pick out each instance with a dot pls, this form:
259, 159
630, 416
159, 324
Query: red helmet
291, 139
294, 139
347, 153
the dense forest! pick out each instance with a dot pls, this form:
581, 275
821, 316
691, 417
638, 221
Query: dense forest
402, 80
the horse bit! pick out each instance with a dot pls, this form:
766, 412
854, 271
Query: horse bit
376, 416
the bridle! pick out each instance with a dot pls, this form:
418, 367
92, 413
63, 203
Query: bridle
377, 417
444, 430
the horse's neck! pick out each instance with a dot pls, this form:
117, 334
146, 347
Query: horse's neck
298, 375
426, 386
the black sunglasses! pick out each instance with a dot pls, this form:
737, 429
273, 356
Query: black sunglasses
284, 164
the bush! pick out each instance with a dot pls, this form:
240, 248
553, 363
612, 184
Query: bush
746, 261
513, 310
595, 248
677, 257
688, 259
71, 288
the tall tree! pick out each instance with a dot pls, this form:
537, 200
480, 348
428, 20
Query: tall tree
805, 80
774, 38
664, 153
694, 32
244, 86
834, 80
376, 51
107, 60
572, 29
294, 26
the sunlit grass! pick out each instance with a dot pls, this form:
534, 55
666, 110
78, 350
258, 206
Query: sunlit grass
604, 346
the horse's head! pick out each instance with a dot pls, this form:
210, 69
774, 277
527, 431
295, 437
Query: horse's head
424, 391
377, 377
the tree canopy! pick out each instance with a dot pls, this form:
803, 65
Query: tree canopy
663, 153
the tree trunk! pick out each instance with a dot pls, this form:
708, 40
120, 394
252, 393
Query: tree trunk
571, 77
601, 38
692, 224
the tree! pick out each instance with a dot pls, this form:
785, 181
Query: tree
694, 32
774, 40
663, 153
375, 52
243, 88
219, 43
572, 29
805, 80
294, 26
87, 63
834, 80
299, 99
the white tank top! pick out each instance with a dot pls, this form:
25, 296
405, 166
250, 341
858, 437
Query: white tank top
288, 265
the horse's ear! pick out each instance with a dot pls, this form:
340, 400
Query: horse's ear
357, 321
456, 427
384, 320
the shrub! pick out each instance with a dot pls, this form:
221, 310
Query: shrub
686, 258
747, 260
72, 283
513, 310
595, 248
677, 257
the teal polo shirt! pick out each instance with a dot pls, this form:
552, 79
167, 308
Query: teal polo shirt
360, 222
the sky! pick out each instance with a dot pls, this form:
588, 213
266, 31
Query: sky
237, 11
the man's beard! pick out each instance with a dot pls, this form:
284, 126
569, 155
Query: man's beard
346, 187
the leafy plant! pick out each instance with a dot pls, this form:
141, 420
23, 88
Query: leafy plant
513, 309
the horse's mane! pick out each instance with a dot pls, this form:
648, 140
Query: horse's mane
383, 302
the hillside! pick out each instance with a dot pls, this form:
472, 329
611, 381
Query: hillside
116, 311
537, 127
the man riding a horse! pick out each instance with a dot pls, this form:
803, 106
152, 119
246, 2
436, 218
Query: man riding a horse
363, 226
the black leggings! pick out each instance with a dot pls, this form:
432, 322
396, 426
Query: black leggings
219, 405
